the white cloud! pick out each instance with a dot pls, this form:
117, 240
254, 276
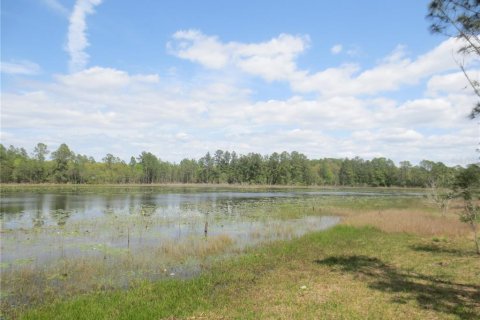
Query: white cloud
271, 60
452, 83
336, 49
182, 136
77, 37
108, 107
99, 79
397, 135
275, 60
390, 74
96, 78
195, 46
22, 67
99, 110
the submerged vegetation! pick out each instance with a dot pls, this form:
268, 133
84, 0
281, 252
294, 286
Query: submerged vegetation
44, 262
346, 272
283, 168
394, 257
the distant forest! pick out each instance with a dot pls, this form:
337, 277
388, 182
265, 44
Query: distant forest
294, 168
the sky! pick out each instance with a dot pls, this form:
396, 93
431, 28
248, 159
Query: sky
180, 78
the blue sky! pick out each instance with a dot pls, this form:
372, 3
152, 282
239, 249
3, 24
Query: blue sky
180, 78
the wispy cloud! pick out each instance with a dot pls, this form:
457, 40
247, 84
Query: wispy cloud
336, 49
56, 7
100, 110
23, 67
276, 60
77, 36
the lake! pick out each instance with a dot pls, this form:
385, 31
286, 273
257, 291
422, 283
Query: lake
32, 221
57, 239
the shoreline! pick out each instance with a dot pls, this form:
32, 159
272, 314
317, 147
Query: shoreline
199, 185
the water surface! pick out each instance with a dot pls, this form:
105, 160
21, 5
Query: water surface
27, 209
63, 242
43, 227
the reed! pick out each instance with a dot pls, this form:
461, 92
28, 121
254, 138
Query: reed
410, 221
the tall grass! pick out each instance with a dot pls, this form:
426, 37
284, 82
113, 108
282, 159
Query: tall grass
410, 221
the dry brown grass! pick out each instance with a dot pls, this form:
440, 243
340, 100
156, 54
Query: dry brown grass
195, 247
410, 221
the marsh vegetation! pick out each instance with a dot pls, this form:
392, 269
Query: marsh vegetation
69, 249
60, 244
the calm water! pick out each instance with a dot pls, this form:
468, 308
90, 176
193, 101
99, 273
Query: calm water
29, 210
66, 242
44, 227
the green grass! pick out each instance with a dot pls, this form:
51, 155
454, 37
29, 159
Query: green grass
178, 187
342, 273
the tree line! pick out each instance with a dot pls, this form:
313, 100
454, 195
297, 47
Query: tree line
294, 168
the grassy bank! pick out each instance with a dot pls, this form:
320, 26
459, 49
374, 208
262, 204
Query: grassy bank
347, 272
393, 257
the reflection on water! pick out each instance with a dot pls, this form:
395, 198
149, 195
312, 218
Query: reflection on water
47, 227
26, 210
73, 243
